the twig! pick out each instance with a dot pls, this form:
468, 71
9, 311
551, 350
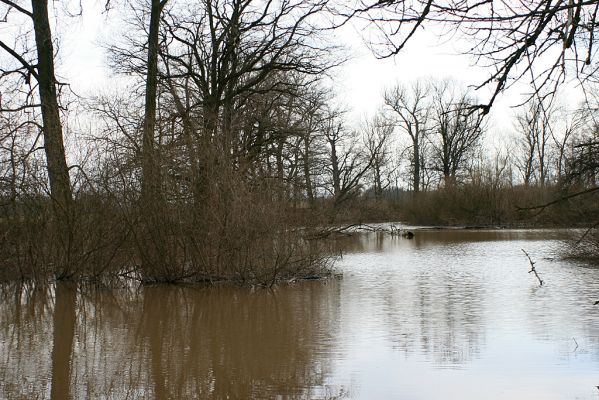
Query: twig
585, 234
532, 268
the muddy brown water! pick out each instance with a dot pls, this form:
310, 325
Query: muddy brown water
446, 315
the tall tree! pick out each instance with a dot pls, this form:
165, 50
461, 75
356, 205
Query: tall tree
42, 71
154, 251
458, 129
377, 140
151, 181
535, 129
411, 110
348, 163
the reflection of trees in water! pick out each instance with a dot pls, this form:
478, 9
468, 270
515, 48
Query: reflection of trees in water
249, 344
442, 318
228, 342
62, 344
26, 333
438, 312
170, 342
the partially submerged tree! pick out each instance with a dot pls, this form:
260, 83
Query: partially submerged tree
230, 92
152, 199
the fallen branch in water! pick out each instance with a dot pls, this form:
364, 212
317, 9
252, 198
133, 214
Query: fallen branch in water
532, 268
323, 233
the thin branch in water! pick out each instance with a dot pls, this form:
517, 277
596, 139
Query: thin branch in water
532, 268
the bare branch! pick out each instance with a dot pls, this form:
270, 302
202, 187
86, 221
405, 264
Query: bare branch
532, 268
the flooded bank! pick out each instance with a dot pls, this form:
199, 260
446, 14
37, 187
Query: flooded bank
447, 314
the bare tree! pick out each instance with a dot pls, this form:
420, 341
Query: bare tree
411, 109
42, 72
229, 50
312, 108
582, 164
348, 164
536, 129
574, 122
377, 140
151, 181
458, 129
39, 89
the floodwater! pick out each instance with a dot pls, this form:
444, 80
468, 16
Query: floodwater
448, 315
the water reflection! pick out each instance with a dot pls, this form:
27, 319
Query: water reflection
463, 301
233, 343
62, 344
171, 342
456, 308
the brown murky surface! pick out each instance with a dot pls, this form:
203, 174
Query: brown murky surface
447, 315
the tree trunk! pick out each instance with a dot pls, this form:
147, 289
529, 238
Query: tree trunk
416, 161
307, 175
58, 172
281, 185
153, 252
65, 318
335, 168
150, 173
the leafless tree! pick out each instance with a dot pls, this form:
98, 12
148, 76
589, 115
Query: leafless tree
348, 163
38, 71
574, 123
582, 164
33, 67
152, 198
229, 50
411, 109
535, 127
312, 108
458, 129
377, 139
